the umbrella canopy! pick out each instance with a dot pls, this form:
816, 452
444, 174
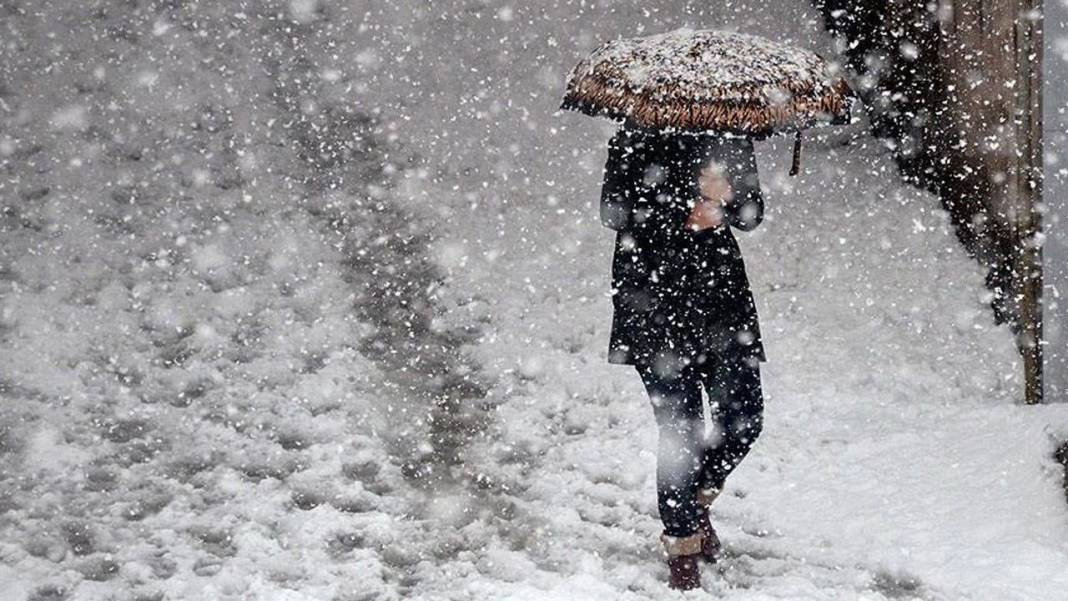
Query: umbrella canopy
708, 80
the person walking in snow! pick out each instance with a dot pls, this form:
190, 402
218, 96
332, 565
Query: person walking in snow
684, 315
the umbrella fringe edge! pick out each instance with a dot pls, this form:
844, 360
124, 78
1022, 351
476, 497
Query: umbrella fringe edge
593, 96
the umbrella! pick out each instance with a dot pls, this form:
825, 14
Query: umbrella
705, 80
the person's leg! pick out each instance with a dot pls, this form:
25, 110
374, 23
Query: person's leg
737, 401
676, 401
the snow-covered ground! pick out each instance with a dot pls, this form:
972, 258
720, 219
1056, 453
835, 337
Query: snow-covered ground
220, 380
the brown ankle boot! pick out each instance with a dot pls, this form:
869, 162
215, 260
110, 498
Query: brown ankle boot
711, 548
683, 555
685, 572
706, 496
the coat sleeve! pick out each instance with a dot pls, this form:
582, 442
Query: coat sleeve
622, 177
745, 209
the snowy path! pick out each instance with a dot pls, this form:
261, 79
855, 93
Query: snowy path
894, 463
209, 391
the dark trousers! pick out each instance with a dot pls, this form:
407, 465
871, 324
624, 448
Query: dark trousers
688, 457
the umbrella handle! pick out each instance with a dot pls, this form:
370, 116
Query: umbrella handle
796, 165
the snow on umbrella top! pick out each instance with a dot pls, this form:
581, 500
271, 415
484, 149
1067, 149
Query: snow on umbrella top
708, 80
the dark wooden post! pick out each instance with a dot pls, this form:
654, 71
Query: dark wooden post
991, 72
1028, 225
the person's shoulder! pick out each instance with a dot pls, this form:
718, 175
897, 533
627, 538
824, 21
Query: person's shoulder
731, 146
632, 140
743, 144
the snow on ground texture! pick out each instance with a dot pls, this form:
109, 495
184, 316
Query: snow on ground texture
208, 393
221, 373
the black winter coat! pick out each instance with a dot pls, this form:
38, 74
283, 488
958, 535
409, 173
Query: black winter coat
679, 296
